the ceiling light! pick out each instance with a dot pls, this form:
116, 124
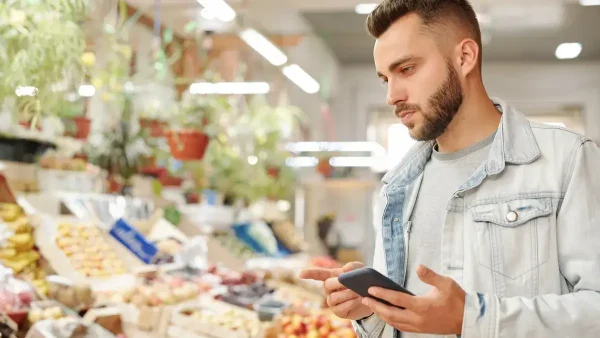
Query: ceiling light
229, 88
207, 14
353, 161
86, 90
365, 8
589, 2
219, 8
300, 162
26, 91
300, 147
263, 46
569, 50
301, 78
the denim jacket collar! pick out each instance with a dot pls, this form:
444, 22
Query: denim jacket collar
514, 143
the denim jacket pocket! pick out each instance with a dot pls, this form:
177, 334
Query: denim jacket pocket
513, 235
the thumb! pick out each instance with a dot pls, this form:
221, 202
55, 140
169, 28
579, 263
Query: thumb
352, 266
430, 277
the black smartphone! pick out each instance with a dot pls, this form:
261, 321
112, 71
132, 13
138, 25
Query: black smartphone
360, 280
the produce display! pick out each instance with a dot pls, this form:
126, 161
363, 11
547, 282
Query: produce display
287, 235
300, 324
73, 296
17, 247
15, 295
235, 246
47, 310
233, 322
245, 295
161, 291
88, 251
167, 249
59, 163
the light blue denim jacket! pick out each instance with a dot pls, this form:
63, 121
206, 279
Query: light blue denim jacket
521, 235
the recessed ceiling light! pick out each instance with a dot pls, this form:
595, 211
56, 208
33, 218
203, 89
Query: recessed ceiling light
569, 50
365, 8
589, 2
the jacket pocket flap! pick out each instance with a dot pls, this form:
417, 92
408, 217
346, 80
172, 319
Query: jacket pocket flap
512, 213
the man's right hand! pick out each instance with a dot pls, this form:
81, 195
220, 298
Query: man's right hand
344, 302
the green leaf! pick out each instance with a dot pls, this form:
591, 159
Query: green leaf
190, 26
168, 36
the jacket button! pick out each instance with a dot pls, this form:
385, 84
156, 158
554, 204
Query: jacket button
512, 216
396, 219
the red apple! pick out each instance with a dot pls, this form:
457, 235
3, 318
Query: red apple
325, 331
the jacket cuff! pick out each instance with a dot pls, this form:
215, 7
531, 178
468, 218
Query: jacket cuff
479, 316
371, 327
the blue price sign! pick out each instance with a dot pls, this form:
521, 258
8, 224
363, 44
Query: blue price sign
134, 241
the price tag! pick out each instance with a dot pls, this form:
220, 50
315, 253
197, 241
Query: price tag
134, 241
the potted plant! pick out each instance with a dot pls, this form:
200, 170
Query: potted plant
121, 151
195, 123
42, 43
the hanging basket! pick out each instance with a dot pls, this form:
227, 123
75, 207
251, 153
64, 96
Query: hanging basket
156, 127
273, 172
83, 125
324, 167
187, 144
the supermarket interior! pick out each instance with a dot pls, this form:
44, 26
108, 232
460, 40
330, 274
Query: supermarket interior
167, 167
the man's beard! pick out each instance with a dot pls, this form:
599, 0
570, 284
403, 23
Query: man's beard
443, 106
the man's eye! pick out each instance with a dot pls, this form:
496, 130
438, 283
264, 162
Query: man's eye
384, 82
407, 70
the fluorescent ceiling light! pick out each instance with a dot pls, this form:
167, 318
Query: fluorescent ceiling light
263, 46
365, 8
569, 50
300, 162
26, 91
356, 162
219, 9
589, 2
299, 147
207, 14
225, 88
301, 79
86, 90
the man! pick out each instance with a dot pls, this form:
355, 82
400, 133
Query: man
490, 219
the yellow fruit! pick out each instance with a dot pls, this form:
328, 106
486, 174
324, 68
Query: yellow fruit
88, 59
20, 226
22, 242
7, 253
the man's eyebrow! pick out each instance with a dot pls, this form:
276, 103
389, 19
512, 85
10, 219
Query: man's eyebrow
398, 63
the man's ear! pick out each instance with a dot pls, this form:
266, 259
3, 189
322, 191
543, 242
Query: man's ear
467, 52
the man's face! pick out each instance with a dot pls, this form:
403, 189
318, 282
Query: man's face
422, 83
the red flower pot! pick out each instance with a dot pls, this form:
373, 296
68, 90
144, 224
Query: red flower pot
155, 126
273, 172
324, 168
83, 127
187, 144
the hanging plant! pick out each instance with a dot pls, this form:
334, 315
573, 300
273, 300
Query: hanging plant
42, 44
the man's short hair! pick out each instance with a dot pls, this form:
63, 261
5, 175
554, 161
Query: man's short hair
434, 13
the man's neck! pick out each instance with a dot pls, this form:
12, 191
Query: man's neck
476, 119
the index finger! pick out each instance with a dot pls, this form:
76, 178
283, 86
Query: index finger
319, 274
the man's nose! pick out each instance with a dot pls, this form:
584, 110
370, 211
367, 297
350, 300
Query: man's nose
396, 93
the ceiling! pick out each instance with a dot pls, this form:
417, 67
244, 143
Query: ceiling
516, 30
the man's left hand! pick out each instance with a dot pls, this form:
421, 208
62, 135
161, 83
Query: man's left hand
440, 311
